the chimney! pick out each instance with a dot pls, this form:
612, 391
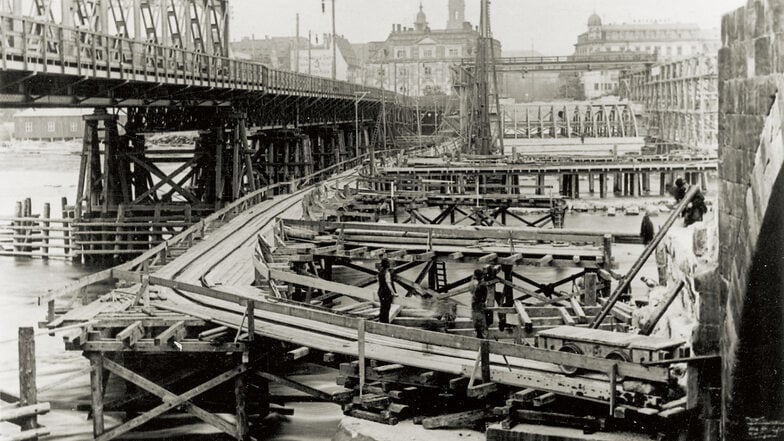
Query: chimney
399, 26
393, 28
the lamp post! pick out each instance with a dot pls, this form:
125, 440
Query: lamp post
334, 45
358, 96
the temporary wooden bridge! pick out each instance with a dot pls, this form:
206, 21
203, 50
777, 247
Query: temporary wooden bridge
194, 295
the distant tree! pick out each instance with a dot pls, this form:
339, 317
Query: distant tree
570, 86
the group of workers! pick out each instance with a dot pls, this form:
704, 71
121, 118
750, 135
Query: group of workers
483, 295
483, 291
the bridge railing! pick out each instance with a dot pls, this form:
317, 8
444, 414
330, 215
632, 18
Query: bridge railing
43, 47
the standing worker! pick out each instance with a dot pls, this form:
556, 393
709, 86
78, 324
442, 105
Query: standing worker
386, 288
646, 228
478, 300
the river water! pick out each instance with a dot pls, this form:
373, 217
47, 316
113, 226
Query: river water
45, 172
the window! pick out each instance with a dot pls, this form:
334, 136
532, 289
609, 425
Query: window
428, 70
595, 86
50, 126
428, 53
680, 50
28, 126
453, 53
401, 53
74, 126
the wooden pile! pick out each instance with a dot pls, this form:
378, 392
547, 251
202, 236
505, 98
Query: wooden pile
23, 410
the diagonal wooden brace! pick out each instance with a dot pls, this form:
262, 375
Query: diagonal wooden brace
170, 400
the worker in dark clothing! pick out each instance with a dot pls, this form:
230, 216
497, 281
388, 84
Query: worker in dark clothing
695, 209
385, 290
646, 229
478, 301
680, 190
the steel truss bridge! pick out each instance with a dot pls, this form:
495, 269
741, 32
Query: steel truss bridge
164, 66
570, 63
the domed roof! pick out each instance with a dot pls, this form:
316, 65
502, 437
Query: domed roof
421, 17
594, 20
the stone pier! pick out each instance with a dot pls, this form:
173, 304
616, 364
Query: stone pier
751, 217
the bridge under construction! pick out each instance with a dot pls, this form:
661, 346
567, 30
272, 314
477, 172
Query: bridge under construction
257, 246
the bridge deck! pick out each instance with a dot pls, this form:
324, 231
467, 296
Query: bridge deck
64, 66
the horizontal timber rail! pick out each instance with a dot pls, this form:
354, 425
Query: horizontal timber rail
48, 49
269, 304
479, 233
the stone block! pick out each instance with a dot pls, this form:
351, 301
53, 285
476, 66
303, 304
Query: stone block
776, 13
740, 54
763, 56
707, 283
705, 339
766, 91
755, 18
778, 52
725, 64
739, 24
727, 29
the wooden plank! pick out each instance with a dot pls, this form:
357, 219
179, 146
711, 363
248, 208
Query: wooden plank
388, 369
295, 385
296, 354
544, 399
28, 434
466, 419
567, 319
556, 419
544, 261
481, 391
372, 416
174, 332
488, 258
13, 413
578, 310
511, 260
525, 319
131, 334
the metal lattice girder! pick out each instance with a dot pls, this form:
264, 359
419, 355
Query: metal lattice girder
681, 100
569, 120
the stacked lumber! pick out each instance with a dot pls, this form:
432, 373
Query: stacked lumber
394, 392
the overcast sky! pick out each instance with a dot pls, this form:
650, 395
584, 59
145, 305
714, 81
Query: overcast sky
551, 26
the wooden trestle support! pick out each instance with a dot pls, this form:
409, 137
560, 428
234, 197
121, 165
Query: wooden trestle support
133, 194
135, 350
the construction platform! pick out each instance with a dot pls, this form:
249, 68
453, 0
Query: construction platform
200, 292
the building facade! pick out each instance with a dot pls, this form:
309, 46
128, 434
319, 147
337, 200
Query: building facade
49, 124
275, 52
317, 60
417, 61
669, 41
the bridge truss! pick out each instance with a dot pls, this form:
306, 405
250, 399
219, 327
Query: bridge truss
681, 101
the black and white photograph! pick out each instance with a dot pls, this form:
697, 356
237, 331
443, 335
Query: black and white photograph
392, 220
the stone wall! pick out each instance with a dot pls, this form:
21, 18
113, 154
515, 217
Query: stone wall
751, 152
